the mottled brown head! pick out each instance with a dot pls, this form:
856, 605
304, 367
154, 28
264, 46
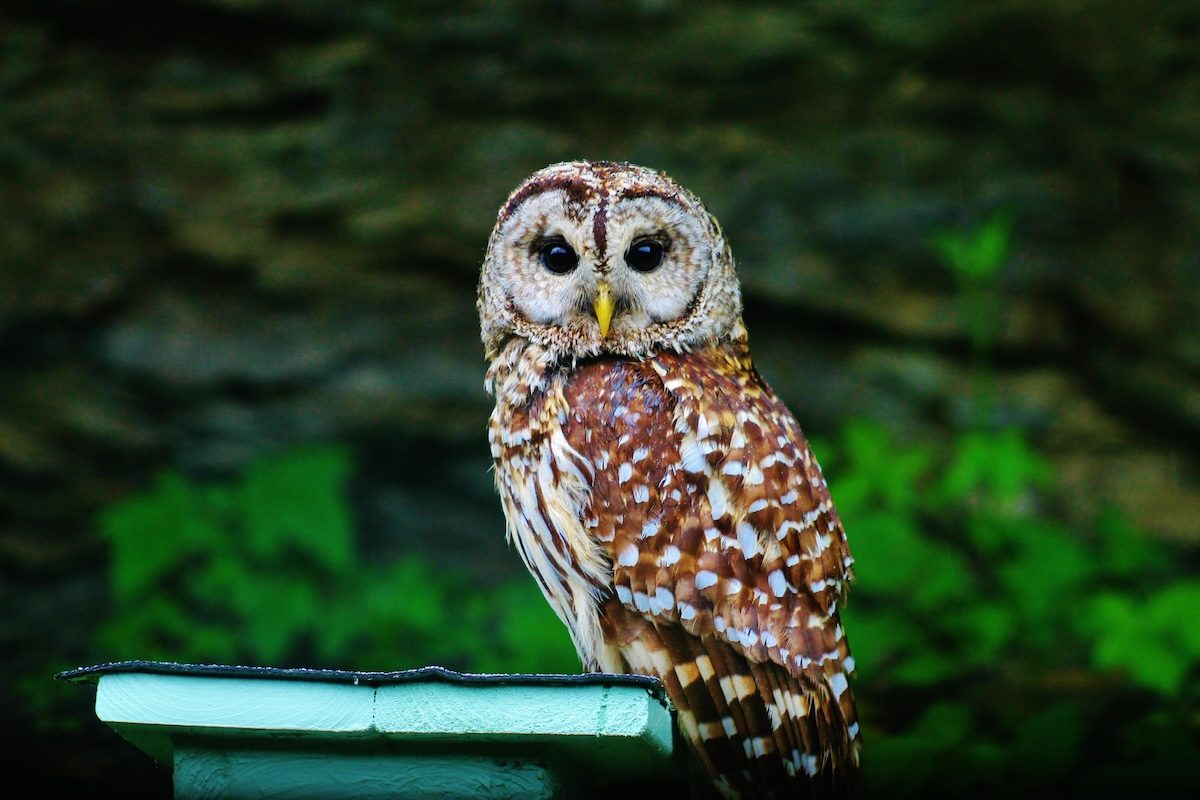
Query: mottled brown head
599, 257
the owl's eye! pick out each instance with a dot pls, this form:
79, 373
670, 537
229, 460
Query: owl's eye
557, 256
645, 255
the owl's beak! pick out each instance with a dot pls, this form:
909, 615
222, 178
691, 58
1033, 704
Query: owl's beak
603, 306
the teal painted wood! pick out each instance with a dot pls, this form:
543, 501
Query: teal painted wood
273, 735
246, 774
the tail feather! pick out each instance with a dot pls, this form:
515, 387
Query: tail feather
757, 730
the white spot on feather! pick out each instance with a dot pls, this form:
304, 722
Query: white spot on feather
625, 472
641, 493
717, 498
628, 556
837, 682
747, 539
690, 455
670, 553
778, 582
705, 578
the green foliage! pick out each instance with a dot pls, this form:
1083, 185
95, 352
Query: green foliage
265, 570
975, 259
994, 640
998, 645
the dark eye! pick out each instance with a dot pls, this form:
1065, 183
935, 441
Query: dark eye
557, 256
645, 254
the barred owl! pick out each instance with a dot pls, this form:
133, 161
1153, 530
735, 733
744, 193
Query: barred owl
662, 496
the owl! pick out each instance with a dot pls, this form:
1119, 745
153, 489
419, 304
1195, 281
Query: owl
662, 496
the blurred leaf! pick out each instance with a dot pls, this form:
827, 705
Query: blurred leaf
1043, 570
295, 500
977, 255
1124, 551
875, 470
1150, 640
1174, 613
1000, 466
152, 534
987, 627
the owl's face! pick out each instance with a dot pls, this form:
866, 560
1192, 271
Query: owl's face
591, 258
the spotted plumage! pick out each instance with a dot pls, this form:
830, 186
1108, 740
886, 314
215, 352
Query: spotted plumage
662, 496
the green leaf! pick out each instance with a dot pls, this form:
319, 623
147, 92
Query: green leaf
1173, 612
986, 629
153, 534
1045, 571
296, 500
1126, 638
977, 256
999, 467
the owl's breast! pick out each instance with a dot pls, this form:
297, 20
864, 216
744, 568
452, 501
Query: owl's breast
545, 486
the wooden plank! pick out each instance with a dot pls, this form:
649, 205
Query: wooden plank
208, 774
235, 703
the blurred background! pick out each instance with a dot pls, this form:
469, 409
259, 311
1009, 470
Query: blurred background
242, 411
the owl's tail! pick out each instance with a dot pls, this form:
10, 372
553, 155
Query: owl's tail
757, 730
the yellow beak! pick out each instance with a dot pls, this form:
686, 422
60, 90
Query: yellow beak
603, 306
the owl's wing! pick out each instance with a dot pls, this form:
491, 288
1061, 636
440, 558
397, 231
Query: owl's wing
715, 514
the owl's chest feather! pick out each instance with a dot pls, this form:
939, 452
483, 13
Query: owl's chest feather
545, 487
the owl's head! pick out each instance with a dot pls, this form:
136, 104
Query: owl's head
598, 257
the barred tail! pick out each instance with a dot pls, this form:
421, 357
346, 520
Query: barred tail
756, 730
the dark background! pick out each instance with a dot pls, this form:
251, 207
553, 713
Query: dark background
234, 228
